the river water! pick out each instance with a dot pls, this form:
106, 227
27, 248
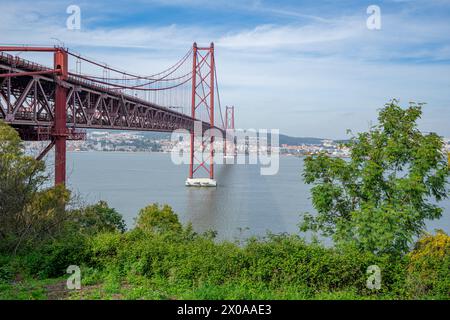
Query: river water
244, 203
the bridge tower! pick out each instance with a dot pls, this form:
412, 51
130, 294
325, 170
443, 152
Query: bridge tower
229, 117
229, 125
203, 80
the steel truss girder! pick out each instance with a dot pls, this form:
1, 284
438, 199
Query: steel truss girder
30, 100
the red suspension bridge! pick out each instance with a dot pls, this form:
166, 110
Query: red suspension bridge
58, 104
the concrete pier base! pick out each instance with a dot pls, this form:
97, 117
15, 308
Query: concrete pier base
201, 182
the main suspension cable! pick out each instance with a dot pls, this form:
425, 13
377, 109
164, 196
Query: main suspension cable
130, 87
218, 95
133, 76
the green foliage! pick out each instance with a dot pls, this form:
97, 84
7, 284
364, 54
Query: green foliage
98, 218
52, 258
379, 199
103, 248
146, 264
274, 264
28, 214
45, 217
156, 219
26, 290
429, 266
20, 177
7, 270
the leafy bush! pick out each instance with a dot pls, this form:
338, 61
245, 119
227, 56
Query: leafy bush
429, 266
30, 216
7, 270
158, 219
20, 176
189, 265
98, 218
103, 248
276, 262
288, 260
52, 258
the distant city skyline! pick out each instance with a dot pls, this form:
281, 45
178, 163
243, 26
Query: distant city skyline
308, 68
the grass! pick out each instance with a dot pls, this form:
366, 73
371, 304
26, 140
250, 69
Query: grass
143, 288
31, 289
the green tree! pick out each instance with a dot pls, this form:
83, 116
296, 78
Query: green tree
20, 178
156, 219
98, 218
380, 198
28, 213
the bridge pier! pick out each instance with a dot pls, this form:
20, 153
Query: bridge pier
60, 122
60, 135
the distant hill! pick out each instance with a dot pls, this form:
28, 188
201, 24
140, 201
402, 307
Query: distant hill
146, 134
296, 141
284, 139
155, 135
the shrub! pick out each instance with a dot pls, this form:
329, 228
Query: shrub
429, 266
161, 252
98, 218
52, 258
156, 219
7, 271
288, 260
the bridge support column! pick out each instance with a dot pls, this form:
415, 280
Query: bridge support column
60, 121
60, 135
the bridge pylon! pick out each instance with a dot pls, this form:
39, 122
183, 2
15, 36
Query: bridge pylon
203, 80
229, 126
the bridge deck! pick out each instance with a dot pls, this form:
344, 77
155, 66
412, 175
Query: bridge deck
28, 101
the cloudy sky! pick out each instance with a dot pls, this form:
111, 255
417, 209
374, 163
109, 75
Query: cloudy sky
308, 68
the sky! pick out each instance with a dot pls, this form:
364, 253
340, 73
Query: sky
307, 68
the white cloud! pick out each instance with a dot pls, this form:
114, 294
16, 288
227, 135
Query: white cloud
280, 37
